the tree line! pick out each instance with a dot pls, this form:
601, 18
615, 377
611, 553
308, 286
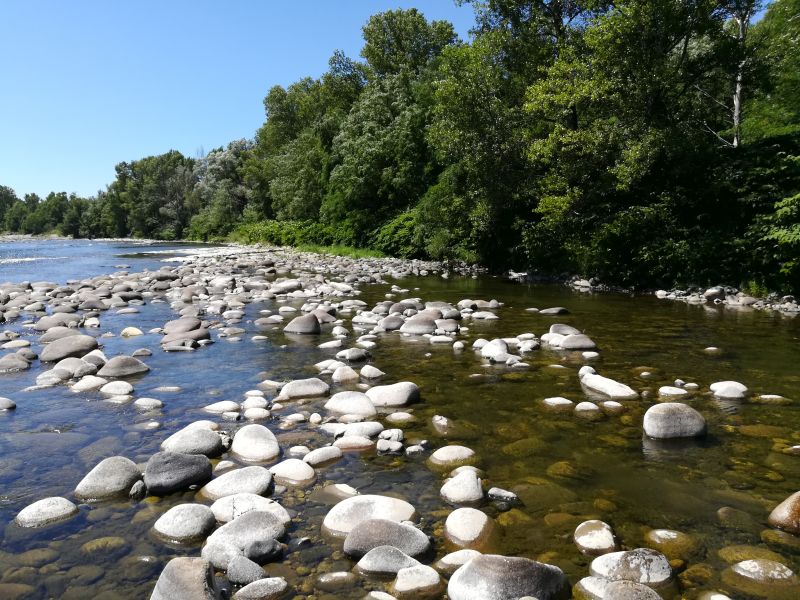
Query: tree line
647, 142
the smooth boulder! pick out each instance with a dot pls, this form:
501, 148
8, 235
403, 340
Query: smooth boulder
168, 472
670, 420
186, 578
113, 477
493, 577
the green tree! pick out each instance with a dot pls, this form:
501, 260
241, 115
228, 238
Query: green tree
404, 39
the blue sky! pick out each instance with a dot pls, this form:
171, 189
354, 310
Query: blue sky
86, 84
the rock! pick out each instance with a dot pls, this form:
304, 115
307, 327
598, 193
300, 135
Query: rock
370, 372
306, 324
673, 420
11, 363
762, 578
7, 404
293, 472
418, 325
249, 529
468, 528
385, 560
89, 383
220, 555
344, 374
605, 386
76, 367
398, 394
269, 588
629, 590
117, 388
449, 563
452, 456
185, 523
348, 513
351, 403
669, 391
74, 345
255, 443
123, 366
372, 533
786, 515
253, 480
186, 578
233, 506
464, 488
194, 440
732, 390
641, 565
673, 544
112, 477
493, 577
304, 388
551, 312
168, 472
418, 581
46, 511
322, 455
243, 571
577, 341
594, 538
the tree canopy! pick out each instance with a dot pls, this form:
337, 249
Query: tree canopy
647, 142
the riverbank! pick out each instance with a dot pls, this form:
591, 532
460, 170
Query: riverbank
319, 391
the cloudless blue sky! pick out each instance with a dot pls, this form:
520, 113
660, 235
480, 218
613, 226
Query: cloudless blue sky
87, 84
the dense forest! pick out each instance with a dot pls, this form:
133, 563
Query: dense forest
647, 142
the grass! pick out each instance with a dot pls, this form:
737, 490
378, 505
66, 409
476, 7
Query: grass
340, 251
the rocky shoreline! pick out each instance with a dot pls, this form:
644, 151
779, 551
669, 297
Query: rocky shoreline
240, 470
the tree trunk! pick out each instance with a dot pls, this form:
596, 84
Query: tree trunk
742, 22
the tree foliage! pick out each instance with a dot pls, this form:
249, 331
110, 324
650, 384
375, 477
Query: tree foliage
648, 142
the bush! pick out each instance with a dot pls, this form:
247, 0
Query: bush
398, 237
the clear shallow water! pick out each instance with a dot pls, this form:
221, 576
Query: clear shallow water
565, 469
60, 260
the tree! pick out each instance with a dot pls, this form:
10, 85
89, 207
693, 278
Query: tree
403, 39
7, 198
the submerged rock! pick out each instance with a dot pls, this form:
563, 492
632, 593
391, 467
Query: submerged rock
46, 511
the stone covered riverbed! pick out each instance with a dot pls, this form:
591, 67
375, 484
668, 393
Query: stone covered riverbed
260, 423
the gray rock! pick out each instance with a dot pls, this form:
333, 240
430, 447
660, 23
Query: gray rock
252, 527
220, 555
673, 420
304, 388
112, 477
464, 488
398, 394
305, 324
385, 560
231, 507
382, 532
46, 511
186, 578
185, 523
123, 366
322, 455
194, 440
7, 404
255, 443
11, 363
554, 311
74, 345
293, 472
252, 480
352, 403
594, 538
344, 516
168, 472
182, 325
629, 590
242, 571
641, 565
269, 588
493, 577
577, 341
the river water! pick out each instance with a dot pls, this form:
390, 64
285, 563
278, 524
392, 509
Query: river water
564, 469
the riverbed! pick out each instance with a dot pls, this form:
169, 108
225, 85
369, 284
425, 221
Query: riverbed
719, 489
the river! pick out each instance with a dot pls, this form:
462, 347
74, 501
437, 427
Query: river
565, 469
